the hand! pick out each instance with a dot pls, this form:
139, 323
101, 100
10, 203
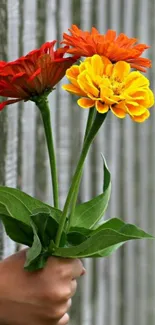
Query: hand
37, 298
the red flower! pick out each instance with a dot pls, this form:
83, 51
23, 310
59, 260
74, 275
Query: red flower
115, 48
34, 74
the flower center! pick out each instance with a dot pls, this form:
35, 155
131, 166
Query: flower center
116, 86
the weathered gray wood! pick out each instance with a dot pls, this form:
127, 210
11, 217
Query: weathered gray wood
29, 113
143, 199
150, 216
85, 194
51, 34
86, 308
130, 205
114, 211
63, 112
40, 181
12, 115
3, 115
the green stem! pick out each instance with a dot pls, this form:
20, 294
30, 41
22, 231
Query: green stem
43, 106
89, 138
91, 115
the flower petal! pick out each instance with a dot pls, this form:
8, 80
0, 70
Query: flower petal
106, 95
8, 102
34, 73
151, 98
115, 48
73, 90
135, 110
72, 74
113, 87
87, 85
109, 70
119, 110
136, 80
85, 102
101, 108
97, 65
142, 117
121, 70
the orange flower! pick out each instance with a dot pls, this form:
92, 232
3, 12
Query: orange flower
34, 74
115, 48
107, 86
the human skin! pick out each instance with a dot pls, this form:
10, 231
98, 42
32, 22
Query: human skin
37, 298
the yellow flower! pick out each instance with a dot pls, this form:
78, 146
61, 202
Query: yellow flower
110, 86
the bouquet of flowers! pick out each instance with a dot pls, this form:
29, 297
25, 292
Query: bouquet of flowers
104, 72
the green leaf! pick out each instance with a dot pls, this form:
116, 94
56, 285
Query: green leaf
103, 239
33, 252
107, 251
41, 220
83, 231
37, 254
16, 207
37, 264
17, 230
77, 235
20, 205
89, 213
121, 227
107, 176
44, 229
3, 210
75, 238
46, 226
114, 223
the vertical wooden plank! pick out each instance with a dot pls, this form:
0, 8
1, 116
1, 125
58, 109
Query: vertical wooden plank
101, 146
40, 143
11, 156
64, 113
86, 185
3, 115
86, 306
143, 199
101, 292
28, 118
51, 34
151, 172
12, 115
86, 14
114, 211
102, 21
21, 104
115, 155
129, 192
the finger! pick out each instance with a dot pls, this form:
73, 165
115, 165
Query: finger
64, 320
77, 269
69, 304
73, 287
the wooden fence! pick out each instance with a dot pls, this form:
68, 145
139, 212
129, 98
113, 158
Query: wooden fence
119, 290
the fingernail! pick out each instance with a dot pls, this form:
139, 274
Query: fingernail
83, 271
